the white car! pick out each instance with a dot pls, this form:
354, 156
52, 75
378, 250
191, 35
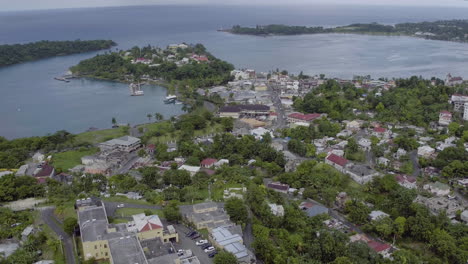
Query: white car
120, 205
201, 242
209, 249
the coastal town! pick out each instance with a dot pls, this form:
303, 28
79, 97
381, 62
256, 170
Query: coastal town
177, 191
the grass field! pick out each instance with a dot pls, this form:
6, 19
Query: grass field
94, 137
164, 127
69, 159
128, 212
122, 199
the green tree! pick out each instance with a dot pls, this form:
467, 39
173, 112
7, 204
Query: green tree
225, 257
149, 116
69, 225
171, 212
236, 210
158, 117
357, 211
114, 121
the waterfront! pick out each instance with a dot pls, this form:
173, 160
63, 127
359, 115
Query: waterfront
33, 103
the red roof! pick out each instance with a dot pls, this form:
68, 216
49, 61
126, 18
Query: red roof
208, 162
337, 160
377, 246
445, 112
151, 146
273, 114
45, 171
304, 117
149, 227
380, 129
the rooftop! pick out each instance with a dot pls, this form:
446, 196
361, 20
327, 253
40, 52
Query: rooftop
337, 160
126, 250
93, 223
122, 141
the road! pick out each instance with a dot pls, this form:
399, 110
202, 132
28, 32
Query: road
126, 167
187, 243
47, 215
281, 121
415, 160
111, 207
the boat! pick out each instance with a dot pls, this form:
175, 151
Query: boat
135, 89
170, 99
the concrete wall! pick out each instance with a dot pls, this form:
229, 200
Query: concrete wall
97, 249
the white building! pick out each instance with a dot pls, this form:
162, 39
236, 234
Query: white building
437, 188
377, 215
425, 151
125, 143
191, 169
445, 118
258, 133
276, 209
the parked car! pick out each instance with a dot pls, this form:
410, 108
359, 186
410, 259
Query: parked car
212, 254
120, 205
209, 249
190, 233
205, 246
196, 236
201, 242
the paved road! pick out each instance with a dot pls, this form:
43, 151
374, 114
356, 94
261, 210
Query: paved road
48, 217
187, 243
111, 207
281, 118
126, 167
414, 158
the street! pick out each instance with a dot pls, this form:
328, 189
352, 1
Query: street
281, 118
188, 243
47, 215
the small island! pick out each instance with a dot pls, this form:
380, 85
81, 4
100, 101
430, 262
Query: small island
448, 30
182, 65
19, 53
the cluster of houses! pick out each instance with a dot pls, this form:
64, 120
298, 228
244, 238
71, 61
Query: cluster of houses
223, 233
144, 239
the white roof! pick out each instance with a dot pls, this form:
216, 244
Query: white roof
189, 168
377, 214
123, 141
141, 220
3, 173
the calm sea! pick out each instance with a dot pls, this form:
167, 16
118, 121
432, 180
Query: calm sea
32, 103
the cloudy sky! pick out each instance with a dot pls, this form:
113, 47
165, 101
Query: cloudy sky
6, 5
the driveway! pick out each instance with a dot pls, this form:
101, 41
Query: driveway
187, 243
111, 207
48, 217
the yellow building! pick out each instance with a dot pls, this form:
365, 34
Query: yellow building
150, 227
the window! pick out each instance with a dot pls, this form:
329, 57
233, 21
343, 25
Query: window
95, 246
105, 245
107, 254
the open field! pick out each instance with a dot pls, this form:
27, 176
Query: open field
69, 159
128, 212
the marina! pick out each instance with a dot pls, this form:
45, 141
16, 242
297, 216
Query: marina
135, 89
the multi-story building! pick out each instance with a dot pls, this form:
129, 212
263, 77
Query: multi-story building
445, 118
125, 143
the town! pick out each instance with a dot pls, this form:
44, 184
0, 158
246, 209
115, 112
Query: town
286, 164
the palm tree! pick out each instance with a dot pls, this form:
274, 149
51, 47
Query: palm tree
114, 121
158, 117
149, 116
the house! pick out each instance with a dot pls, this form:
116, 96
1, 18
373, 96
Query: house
208, 163
464, 216
445, 118
400, 153
44, 172
463, 182
360, 173
131, 195
437, 188
354, 125
300, 117
383, 161
313, 208
364, 144
221, 162
381, 132
276, 209
191, 169
381, 248
431, 172
441, 204
425, 151
278, 187
125, 143
337, 162
150, 149
453, 81
377, 215
237, 111
150, 227
38, 157
208, 215
408, 182
223, 238
258, 133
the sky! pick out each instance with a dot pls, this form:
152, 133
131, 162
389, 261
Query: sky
10, 5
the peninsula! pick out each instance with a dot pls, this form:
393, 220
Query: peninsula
448, 30
19, 53
187, 65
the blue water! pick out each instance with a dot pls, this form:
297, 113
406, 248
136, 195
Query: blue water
32, 103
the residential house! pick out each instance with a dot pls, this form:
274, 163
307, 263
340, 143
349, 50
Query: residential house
221, 162
400, 153
364, 144
278, 187
360, 173
258, 133
377, 215
337, 162
464, 216
381, 248
381, 132
354, 125
441, 204
445, 118
425, 151
208, 163
437, 188
276, 209
205, 215
300, 117
191, 169
313, 208
45, 171
383, 161
406, 181
150, 227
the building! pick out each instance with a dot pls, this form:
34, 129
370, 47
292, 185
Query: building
43, 173
150, 227
237, 111
336, 161
406, 181
278, 187
276, 209
361, 174
354, 125
425, 151
365, 144
191, 169
458, 101
300, 117
205, 215
464, 216
381, 248
208, 163
258, 133
125, 143
453, 81
441, 204
437, 188
222, 238
377, 215
313, 208
381, 132
445, 118
465, 112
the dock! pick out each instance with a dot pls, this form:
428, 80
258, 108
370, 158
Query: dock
65, 78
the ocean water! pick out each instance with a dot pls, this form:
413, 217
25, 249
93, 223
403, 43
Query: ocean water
32, 103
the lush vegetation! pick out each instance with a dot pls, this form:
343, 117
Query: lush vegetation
413, 101
18, 53
118, 66
450, 30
